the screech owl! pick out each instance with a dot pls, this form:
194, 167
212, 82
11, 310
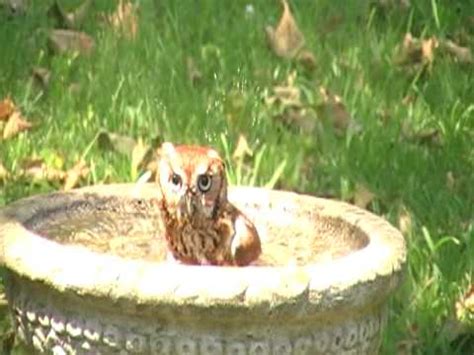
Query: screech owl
201, 226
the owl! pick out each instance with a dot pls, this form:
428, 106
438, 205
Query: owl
201, 226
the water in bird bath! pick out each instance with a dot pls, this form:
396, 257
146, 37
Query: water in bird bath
133, 228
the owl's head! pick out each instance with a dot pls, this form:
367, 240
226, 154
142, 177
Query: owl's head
192, 180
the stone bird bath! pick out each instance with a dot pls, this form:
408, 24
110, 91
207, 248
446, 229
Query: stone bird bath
86, 274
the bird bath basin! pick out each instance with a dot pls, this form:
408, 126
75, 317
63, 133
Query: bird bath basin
86, 272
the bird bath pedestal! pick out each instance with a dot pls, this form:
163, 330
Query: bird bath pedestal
86, 273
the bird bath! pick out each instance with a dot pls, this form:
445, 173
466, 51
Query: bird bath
86, 272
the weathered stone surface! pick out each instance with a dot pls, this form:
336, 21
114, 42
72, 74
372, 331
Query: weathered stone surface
327, 298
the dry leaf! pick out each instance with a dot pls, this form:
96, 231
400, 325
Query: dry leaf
242, 150
37, 170
15, 125
4, 174
116, 142
363, 196
303, 119
414, 51
286, 40
74, 175
462, 54
307, 59
15, 7
141, 154
425, 136
63, 41
70, 20
41, 77
287, 95
462, 321
450, 181
124, 19
194, 74
333, 110
405, 223
7, 107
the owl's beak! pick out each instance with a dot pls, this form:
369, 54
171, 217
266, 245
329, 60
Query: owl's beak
190, 203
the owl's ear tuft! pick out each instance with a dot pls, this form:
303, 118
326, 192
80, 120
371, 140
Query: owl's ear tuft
168, 151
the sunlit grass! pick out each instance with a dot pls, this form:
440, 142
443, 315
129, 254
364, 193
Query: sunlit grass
141, 88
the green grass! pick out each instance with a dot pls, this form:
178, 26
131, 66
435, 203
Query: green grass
141, 88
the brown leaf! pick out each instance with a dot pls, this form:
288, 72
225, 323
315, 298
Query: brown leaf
462, 54
141, 154
15, 125
424, 136
414, 51
307, 59
194, 74
462, 321
69, 20
286, 40
242, 150
302, 119
116, 142
64, 41
334, 111
450, 181
37, 170
363, 196
15, 7
4, 174
7, 107
405, 223
288, 95
41, 77
74, 175
125, 20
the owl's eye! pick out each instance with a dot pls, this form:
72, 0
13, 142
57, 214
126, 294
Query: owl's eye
176, 180
204, 182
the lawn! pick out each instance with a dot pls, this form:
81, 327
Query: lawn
397, 139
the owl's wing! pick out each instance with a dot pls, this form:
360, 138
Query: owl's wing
245, 246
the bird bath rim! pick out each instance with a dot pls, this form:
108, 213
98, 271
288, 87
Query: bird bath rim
363, 277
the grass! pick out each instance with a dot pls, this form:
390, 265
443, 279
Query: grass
141, 88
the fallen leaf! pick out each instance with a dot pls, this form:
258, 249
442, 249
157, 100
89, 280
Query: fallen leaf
141, 154
450, 181
330, 24
124, 20
74, 175
302, 119
41, 77
287, 95
307, 59
37, 170
15, 125
116, 142
414, 51
4, 174
405, 222
242, 150
69, 20
334, 111
424, 136
64, 41
461, 322
194, 74
462, 54
7, 107
363, 196
15, 7
286, 40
